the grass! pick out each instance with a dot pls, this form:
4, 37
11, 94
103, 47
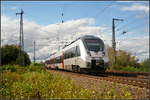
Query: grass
33, 82
129, 68
133, 69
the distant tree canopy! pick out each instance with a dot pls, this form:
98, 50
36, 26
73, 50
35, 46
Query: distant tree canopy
123, 59
146, 63
10, 55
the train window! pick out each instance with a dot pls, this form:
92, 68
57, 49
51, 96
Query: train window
58, 59
47, 62
77, 51
66, 54
94, 44
73, 52
69, 54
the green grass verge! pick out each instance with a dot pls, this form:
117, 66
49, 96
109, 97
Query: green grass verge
133, 69
34, 82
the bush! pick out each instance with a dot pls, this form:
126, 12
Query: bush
145, 65
14, 68
123, 59
8, 78
41, 84
10, 55
9, 68
133, 69
35, 67
20, 90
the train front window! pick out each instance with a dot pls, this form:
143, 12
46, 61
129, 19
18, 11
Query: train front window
94, 44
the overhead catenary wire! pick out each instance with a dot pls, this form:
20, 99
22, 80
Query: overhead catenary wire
128, 24
103, 10
138, 24
126, 18
135, 27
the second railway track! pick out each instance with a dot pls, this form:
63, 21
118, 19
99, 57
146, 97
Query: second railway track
134, 81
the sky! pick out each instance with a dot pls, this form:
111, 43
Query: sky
42, 24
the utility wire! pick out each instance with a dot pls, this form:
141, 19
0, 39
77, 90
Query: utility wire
128, 24
120, 24
132, 29
135, 27
103, 10
138, 23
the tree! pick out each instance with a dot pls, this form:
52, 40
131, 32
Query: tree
10, 55
146, 64
123, 59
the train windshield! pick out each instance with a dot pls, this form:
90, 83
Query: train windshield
94, 44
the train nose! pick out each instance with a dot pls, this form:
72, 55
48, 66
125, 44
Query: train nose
97, 63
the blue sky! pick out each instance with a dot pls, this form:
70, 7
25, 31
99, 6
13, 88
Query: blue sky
45, 13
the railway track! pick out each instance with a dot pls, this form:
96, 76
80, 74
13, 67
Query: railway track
133, 80
142, 83
123, 73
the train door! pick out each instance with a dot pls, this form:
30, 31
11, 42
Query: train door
76, 63
77, 54
77, 58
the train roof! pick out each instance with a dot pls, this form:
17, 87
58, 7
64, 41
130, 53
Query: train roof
82, 38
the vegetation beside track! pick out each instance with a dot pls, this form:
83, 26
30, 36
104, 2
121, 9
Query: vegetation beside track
34, 82
134, 69
125, 61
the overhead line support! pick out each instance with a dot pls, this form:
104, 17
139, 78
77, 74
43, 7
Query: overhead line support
21, 36
113, 39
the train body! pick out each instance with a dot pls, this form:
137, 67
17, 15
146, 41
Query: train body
85, 54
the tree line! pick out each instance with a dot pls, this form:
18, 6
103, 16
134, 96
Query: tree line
10, 55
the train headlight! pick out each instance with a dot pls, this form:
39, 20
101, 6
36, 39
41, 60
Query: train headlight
88, 53
103, 54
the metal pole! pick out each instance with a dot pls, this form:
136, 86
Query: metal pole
22, 29
113, 39
0, 51
34, 52
21, 38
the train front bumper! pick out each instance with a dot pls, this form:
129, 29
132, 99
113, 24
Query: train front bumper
98, 64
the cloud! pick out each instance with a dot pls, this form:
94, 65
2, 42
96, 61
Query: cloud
50, 37
136, 45
139, 16
47, 37
8, 7
8, 29
13, 8
136, 7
